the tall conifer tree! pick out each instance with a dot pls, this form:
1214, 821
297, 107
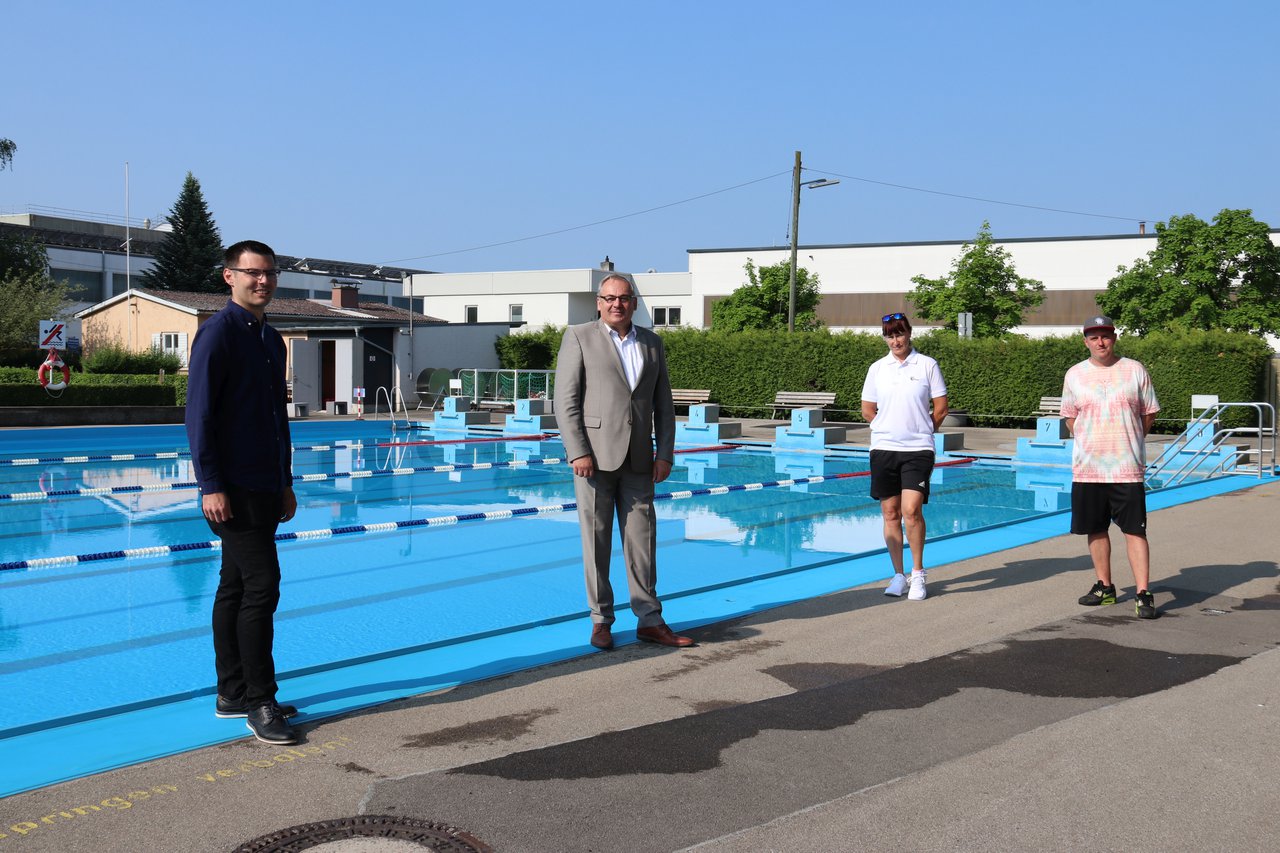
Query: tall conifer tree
189, 256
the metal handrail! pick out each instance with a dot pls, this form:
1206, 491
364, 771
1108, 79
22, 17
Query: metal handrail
1231, 462
391, 396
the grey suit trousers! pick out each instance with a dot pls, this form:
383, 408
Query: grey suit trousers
629, 496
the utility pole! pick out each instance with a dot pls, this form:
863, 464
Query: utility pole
795, 227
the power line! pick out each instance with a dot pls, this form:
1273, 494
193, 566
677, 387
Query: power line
591, 224
986, 200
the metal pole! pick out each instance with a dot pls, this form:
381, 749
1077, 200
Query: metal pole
795, 226
406, 278
128, 256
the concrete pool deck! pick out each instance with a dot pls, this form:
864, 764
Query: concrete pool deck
998, 714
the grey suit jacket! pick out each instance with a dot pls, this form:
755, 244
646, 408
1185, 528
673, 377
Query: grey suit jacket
597, 411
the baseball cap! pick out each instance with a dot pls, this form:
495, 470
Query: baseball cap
1098, 322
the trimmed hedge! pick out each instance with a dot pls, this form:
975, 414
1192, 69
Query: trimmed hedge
998, 381
89, 395
93, 389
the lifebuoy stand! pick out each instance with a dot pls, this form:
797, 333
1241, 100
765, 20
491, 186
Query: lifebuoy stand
53, 375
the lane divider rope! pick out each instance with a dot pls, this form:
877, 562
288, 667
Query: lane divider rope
435, 521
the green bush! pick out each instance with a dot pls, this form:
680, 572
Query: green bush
529, 350
32, 357
87, 394
23, 376
1229, 364
118, 360
997, 381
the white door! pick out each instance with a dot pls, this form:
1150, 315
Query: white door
304, 372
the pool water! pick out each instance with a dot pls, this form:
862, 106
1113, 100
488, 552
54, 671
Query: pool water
135, 631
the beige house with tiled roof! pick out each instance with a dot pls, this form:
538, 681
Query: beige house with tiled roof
333, 346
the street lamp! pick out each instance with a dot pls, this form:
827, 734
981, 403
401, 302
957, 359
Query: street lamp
795, 227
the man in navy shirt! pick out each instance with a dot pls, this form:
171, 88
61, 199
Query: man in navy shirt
238, 429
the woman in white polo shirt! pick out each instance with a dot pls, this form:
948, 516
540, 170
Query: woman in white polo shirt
904, 399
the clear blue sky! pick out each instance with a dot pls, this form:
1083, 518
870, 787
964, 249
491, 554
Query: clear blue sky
405, 131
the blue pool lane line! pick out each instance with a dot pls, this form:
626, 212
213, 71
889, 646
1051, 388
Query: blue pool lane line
40, 758
434, 521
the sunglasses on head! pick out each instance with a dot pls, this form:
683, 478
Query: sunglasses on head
891, 317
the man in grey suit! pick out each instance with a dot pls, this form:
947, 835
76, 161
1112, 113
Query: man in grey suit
612, 398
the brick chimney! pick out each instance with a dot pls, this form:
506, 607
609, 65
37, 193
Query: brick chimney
345, 295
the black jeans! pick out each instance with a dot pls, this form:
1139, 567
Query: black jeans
248, 593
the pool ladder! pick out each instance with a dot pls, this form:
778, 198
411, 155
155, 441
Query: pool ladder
393, 395
1206, 443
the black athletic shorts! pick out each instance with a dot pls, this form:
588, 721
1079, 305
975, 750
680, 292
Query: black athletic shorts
1095, 505
892, 471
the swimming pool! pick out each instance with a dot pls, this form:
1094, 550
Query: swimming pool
91, 643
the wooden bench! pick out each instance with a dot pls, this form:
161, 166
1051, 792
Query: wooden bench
1049, 407
690, 396
802, 400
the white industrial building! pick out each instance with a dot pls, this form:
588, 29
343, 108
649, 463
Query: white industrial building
859, 283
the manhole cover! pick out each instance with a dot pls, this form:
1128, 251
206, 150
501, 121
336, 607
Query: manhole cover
368, 833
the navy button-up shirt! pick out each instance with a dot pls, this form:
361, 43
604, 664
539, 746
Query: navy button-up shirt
236, 420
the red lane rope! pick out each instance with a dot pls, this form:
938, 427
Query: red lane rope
542, 436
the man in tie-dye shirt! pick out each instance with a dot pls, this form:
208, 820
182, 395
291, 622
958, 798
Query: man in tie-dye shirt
1109, 406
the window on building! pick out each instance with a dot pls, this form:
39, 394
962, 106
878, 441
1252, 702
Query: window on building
293, 293
82, 285
666, 316
472, 313
119, 283
171, 343
517, 313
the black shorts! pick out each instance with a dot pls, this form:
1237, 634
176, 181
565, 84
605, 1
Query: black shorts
892, 471
1095, 505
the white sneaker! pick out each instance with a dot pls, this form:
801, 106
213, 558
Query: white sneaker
897, 586
918, 591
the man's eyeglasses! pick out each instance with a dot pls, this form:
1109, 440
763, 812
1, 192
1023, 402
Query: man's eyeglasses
887, 318
625, 299
252, 273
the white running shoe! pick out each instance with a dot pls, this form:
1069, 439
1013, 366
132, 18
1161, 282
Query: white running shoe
918, 591
897, 586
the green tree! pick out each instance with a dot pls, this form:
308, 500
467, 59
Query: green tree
764, 301
1224, 275
189, 256
24, 302
982, 281
27, 294
22, 257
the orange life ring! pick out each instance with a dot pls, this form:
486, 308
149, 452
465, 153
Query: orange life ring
47, 374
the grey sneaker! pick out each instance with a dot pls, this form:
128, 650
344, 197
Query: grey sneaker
897, 586
269, 725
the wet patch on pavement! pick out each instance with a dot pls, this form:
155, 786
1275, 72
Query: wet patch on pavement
847, 728
492, 730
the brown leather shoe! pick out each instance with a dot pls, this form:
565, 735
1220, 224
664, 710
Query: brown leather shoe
664, 636
601, 636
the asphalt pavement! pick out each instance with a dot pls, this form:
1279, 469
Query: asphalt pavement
998, 714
